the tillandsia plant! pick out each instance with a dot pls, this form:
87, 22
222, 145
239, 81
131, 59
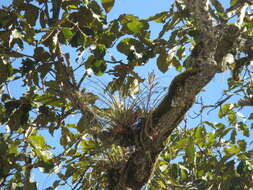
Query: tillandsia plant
125, 114
127, 111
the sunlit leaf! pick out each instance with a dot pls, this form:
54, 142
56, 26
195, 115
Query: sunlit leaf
38, 142
160, 17
133, 23
225, 110
232, 150
107, 4
190, 151
233, 2
13, 148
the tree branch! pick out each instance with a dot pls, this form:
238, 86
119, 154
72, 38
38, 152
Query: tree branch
181, 96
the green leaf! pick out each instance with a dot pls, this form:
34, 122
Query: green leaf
38, 142
99, 51
130, 45
219, 125
162, 62
180, 52
242, 144
88, 146
68, 34
251, 116
50, 99
32, 186
83, 123
20, 117
133, 24
211, 138
89, 63
174, 171
242, 168
44, 155
244, 129
45, 166
232, 117
107, 4
176, 63
232, 150
13, 148
163, 167
233, 2
199, 132
41, 54
31, 14
184, 174
209, 123
78, 39
224, 110
200, 135
136, 26
233, 136
160, 17
190, 151
56, 183
15, 34
43, 19
5, 71
3, 148
181, 144
99, 67
166, 58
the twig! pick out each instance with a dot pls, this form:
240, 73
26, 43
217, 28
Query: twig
121, 62
8, 90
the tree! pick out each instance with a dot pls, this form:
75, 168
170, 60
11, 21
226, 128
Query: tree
123, 139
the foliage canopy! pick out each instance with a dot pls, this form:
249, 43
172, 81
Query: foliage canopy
124, 138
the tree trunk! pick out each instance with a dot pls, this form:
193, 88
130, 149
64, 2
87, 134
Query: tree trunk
216, 42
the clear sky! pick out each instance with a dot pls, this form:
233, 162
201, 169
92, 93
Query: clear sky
144, 9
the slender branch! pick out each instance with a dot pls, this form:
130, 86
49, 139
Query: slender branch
8, 90
81, 80
120, 62
236, 6
47, 12
28, 170
12, 53
56, 4
78, 67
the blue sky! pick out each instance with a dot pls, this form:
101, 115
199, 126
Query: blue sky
143, 9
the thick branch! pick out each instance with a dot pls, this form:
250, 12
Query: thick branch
200, 11
181, 96
246, 45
